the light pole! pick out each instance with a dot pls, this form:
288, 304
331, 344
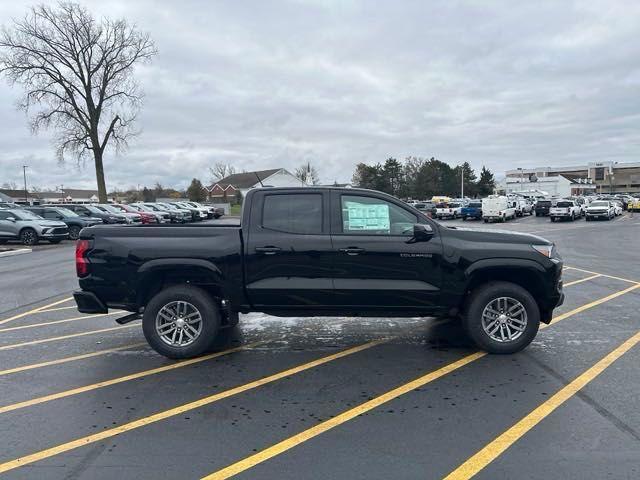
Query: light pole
462, 182
26, 193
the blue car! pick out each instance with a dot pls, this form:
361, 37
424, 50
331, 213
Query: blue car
472, 210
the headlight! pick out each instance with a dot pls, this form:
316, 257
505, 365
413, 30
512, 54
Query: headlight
546, 250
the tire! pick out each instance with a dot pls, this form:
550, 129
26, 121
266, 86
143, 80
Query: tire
28, 236
587, 219
483, 297
552, 219
74, 232
537, 214
486, 220
464, 218
197, 300
3, 241
573, 217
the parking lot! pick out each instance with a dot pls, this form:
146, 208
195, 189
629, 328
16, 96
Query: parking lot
84, 397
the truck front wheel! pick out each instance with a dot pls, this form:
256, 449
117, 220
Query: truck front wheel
181, 322
501, 317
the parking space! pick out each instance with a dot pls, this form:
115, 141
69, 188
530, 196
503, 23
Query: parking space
84, 397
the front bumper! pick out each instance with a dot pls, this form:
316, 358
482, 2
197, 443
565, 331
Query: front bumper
88, 302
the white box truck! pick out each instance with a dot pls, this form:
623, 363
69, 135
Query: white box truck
498, 208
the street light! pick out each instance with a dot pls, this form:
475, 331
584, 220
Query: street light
24, 174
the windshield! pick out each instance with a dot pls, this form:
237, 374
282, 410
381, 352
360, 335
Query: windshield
544, 203
25, 215
93, 209
66, 212
109, 208
565, 204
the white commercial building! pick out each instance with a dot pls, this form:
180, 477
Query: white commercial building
556, 186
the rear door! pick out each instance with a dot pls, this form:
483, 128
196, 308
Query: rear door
288, 250
8, 228
376, 264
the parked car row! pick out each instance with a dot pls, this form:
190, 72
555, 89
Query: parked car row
60, 221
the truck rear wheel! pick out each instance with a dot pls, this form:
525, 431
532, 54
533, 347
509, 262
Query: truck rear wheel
181, 322
501, 317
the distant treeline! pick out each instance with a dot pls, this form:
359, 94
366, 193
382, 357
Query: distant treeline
421, 178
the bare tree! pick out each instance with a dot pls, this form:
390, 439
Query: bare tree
10, 185
220, 171
308, 174
77, 74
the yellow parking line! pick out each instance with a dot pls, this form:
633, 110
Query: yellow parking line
126, 378
69, 359
112, 432
494, 449
64, 337
592, 304
54, 322
601, 274
316, 430
35, 310
302, 437
578, 281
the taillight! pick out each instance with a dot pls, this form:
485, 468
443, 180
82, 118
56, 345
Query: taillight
82, 264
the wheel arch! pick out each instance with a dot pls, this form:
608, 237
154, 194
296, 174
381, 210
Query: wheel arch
156, 275
525, 273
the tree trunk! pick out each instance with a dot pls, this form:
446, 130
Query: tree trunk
102, 189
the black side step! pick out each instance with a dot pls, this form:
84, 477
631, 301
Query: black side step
128, 318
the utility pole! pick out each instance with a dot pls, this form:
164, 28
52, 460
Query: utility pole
462, 182
26, 193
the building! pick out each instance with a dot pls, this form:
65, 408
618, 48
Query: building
555, 186
68, 195
227, 189
606, 177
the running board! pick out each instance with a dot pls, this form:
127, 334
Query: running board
128, 318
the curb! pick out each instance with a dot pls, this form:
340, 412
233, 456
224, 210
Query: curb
11, 253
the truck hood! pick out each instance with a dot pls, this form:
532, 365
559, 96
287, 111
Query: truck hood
495, 236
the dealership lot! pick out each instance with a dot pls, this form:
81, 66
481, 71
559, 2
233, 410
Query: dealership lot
83, 397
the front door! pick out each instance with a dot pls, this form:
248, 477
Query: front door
288, 252
377, 266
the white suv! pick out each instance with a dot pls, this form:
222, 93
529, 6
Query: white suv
567, 209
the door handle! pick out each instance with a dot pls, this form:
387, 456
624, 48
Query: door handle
353, 250
268, 250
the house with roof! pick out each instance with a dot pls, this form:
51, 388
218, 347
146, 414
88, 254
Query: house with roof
226, 189
70, 195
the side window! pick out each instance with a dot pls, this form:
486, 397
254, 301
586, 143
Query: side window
4, 215
300, 213
372, 216
50, 214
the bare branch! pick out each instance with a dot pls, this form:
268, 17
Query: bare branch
78, 73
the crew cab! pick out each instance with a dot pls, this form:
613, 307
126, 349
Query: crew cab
448, 210
318, 251
600, 209
565, 210
472, 210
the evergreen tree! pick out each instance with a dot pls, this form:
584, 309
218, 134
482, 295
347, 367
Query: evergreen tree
487, 183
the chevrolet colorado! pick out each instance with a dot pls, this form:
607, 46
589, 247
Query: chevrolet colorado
318, 252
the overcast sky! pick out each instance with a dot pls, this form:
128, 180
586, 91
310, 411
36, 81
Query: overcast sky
263, 84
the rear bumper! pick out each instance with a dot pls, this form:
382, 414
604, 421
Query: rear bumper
88, 302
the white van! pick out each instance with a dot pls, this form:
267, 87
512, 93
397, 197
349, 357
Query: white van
498, 208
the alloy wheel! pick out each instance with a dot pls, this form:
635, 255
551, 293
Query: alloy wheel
504, 319
179, 323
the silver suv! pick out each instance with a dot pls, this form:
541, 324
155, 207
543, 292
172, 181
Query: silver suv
29, 228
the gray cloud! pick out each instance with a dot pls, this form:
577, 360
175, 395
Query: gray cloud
263, 84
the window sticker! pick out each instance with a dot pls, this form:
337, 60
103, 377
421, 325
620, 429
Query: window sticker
365, 217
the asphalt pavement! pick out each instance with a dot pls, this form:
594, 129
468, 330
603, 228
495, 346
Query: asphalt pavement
318, 398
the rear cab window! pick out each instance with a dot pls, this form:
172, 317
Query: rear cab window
293, 213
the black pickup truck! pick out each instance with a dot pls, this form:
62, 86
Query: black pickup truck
318, 252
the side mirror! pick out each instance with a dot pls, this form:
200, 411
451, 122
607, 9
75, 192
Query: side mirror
422, 232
